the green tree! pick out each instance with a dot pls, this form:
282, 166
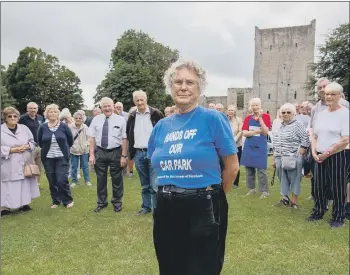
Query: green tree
334, 62
6, 98
38, 76
137, 62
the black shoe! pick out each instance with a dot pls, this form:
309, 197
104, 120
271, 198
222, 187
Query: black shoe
99, 208
336, 224
118, 208
5, 212
25, 208
143, 212
314, 218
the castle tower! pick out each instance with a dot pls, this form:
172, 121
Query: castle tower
281, 66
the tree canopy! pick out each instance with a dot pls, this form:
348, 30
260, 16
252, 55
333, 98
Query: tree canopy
137, 62
38, 76
334, 62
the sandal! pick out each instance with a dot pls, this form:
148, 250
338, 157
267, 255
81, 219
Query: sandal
70, 205
294, 205
54, 206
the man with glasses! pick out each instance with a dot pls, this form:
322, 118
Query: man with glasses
33, 121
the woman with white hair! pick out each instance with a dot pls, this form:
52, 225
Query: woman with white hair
236, 125
190, 219
289, 144
80, 149
55, 138
66, 116
254, 154
329, 141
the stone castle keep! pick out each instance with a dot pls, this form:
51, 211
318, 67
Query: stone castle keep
281, 70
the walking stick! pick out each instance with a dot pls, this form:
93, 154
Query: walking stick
273, 177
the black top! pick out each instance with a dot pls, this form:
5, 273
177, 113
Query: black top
13, 130
32, 124
156, 115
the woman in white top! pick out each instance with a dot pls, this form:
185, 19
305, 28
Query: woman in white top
236, 125
329, 141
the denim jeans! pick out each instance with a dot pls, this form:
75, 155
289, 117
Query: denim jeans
84, 162
148, 178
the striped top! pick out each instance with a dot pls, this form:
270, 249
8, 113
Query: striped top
290, 138
55, 150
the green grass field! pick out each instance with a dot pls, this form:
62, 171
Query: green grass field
262, 238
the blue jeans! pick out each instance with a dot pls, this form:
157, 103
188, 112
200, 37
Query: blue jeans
148, 178
84, 162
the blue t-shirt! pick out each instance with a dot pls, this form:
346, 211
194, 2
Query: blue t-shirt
185, 149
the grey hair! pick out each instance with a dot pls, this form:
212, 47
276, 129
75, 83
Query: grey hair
78, 113
334, 87
65, 113
139, 92
321, 80
119, 103
288, 107
106, 100
191, 65
219, 105
252, 101
32, 103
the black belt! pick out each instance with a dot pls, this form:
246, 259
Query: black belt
171, 189
108, 150
141, 149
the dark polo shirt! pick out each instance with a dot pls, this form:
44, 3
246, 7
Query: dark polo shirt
32, 124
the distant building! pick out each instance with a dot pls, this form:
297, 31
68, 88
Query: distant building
281, 69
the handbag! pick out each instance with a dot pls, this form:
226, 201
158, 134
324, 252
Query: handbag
31, 170
289, 162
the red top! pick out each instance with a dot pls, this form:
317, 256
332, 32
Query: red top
265, 117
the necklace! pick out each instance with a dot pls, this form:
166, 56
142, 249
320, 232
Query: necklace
48, 124
178, 128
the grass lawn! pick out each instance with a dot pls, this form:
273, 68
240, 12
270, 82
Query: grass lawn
262, 238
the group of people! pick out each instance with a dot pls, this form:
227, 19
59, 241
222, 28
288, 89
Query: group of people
186, 160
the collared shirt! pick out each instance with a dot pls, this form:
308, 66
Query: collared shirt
32, 124
143, 129
116, 130
125, 115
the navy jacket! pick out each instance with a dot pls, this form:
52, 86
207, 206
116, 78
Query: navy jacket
63, 136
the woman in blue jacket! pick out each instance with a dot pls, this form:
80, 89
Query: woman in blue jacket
55, 139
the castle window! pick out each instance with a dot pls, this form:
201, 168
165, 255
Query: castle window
270, 47
288, 84
296, 45
269, 96
240, 101
295, 95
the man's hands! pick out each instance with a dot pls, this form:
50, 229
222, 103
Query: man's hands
92, 159
123, 161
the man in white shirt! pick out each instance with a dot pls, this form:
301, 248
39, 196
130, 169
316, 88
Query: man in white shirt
108, 148
139, 128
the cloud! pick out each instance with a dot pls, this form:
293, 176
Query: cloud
219, 35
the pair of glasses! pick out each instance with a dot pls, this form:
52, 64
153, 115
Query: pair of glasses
286, 113
189, 83
12, 116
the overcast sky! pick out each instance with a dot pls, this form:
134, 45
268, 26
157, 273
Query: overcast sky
220, 36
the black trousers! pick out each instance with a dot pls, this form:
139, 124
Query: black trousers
57, 172
331, 175
189, 233
103, 160
239, 154
312, 166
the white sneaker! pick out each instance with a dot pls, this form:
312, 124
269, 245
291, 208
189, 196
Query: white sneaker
264, 195
251, 192
73, 185
88, 183
131, 175
79, 177
309, 198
